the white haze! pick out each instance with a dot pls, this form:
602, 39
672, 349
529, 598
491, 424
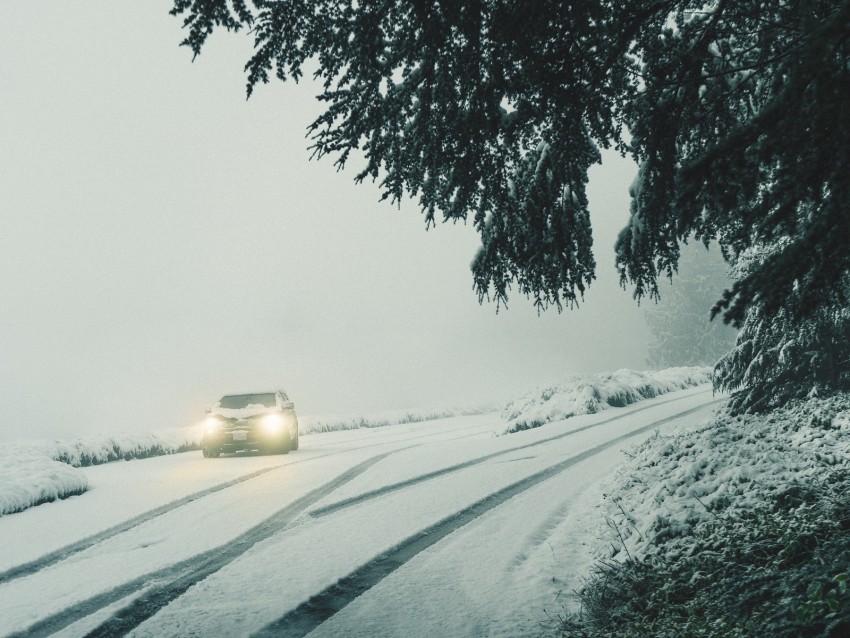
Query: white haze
163, 241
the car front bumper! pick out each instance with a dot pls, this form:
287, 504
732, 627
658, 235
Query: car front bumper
236, 440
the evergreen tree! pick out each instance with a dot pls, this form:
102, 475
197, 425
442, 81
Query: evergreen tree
778, 357
682, 330
738, 113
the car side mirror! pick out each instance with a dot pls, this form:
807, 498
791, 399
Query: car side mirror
287, 405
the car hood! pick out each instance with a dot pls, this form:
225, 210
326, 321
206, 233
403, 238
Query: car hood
242, 413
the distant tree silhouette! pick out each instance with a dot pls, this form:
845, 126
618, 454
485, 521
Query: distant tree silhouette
682, 331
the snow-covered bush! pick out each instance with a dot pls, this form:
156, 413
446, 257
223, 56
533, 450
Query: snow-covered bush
779, 571
739, 527
588, 394
31, 479
127, 446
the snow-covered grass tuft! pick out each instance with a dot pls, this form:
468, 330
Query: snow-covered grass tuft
95, 450
588, 394
740, 526
312, 424
32, 479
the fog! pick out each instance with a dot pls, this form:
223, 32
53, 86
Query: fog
163, 241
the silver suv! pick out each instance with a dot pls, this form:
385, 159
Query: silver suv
264, 421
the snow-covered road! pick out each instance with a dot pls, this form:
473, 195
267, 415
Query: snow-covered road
428, 529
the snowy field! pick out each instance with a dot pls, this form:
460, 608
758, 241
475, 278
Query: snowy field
432, 528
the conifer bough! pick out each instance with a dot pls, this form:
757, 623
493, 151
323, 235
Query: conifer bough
738, 112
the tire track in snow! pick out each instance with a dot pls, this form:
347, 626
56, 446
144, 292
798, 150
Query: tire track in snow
166, 584
322, 606
69, 550
62, 619
381, 491
33, 566
377, 436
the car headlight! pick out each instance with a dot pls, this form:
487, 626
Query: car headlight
272, 423
212, 424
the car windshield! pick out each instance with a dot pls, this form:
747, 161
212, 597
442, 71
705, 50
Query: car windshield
237, 401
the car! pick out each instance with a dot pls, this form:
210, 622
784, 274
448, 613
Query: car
264, 421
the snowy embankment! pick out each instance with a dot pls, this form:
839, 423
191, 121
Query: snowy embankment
588, 394
740, 526
39, 471
28, 479
675, 484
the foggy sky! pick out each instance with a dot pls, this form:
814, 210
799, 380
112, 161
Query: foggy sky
164, 241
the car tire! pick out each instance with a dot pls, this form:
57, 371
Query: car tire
211, 452
294, 442
285, 445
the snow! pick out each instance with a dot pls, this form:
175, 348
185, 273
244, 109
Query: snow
31, 479
118, 492
535, 553
311, 424
499, 578
241, 413
588, 394
31, 475
675, 483
501, 574
38, 471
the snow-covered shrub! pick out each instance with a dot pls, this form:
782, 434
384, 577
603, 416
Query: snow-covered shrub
94, 450
31, 479
739, 527
588, 394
